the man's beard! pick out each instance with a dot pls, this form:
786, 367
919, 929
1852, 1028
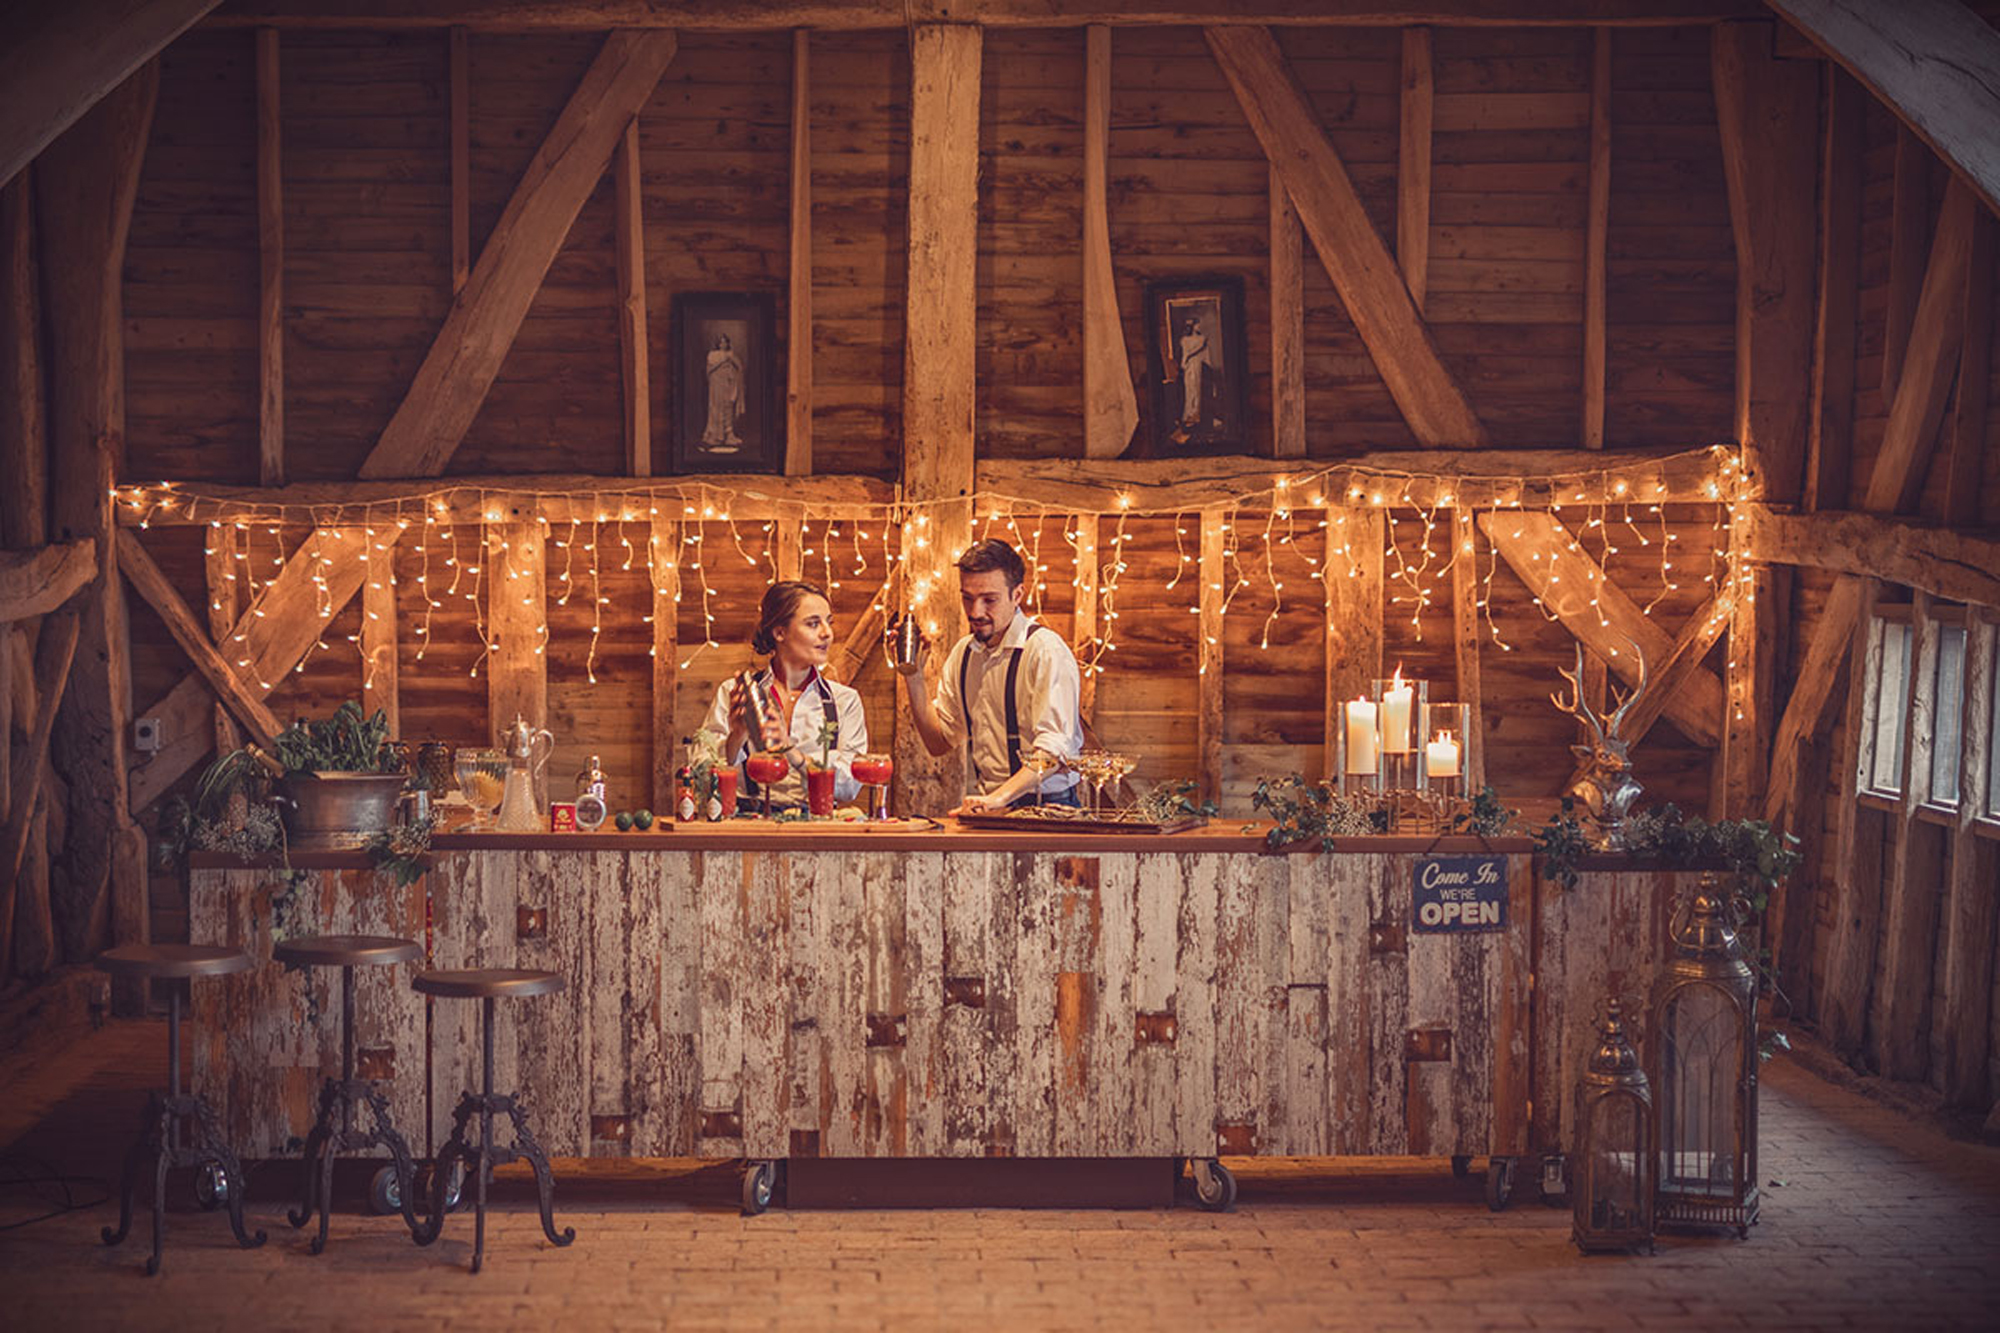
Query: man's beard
983, 636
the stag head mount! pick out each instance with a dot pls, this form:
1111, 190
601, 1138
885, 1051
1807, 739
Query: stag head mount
1603, 784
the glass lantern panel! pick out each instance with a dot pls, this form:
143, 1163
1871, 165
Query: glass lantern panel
1700, 1069
1617, 1153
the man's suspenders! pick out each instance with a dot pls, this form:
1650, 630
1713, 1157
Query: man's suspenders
1013, 705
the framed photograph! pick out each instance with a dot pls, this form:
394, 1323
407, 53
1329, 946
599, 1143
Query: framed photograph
1199, 366
727, 382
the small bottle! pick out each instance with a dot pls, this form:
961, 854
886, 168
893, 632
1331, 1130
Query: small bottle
684, 797
590, 805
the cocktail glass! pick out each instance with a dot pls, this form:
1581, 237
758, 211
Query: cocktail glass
1042, 763
1093, 765
482, 776
766, 770
876, 770
1120, 767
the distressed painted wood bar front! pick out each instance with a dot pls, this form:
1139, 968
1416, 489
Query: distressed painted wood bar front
947, 995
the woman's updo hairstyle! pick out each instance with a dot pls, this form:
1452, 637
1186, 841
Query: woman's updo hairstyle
781, 603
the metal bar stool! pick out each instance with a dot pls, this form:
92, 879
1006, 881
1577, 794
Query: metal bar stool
160, 1137
333, 1132
480, 1157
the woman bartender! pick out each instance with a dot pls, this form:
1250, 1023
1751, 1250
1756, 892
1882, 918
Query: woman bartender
795, 630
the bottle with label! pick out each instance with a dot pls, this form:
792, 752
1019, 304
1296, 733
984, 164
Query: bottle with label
685, 805
590, 803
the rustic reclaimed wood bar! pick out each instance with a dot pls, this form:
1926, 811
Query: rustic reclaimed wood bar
769, 992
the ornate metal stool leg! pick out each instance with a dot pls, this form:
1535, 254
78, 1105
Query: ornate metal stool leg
160, 1163
385, 1131
454, 1150
212, 1148
316, 1144
485, 1160
545, 1179
134, 1155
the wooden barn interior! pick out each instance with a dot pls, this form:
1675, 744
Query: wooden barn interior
340, 358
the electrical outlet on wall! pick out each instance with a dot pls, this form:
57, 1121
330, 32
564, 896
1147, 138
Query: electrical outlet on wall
146, 735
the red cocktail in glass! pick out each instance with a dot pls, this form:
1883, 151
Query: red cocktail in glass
819, 792
725, 791
876, 770
764, 770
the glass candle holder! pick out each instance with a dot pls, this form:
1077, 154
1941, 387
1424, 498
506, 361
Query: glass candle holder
1400, 709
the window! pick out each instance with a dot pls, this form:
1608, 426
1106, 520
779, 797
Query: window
1993, 745
1948, 710
1888, 701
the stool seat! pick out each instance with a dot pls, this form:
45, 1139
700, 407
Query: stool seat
173, 960
347, 950
488, 983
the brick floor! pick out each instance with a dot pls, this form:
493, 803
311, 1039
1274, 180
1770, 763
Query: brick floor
1871, 1221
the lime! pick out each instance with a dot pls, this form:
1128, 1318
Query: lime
643, 820
623, 819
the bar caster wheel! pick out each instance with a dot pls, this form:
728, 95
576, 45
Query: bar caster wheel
385, 1192
1214, 1185
420, 1181
211, 1186
760, 1183
1499, 1182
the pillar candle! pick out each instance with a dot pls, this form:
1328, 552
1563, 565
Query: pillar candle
1396, 702
1361, 736
1441, 756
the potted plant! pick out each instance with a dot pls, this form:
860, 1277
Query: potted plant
339, 779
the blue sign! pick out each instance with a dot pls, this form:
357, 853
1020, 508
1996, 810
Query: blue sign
1459, 893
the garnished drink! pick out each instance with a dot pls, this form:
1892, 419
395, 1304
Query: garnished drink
766, 770
876, 770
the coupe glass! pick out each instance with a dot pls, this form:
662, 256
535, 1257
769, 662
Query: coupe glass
766, 770
1095, 767
876, 770
1119, 767
1042, 763
482, 776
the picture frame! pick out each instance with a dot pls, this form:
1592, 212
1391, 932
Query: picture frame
1195, 335
727, 378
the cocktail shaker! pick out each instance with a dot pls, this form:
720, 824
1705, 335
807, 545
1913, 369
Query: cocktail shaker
902, 641
761, 710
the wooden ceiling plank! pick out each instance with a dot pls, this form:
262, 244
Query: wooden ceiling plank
1370, 284
464, 359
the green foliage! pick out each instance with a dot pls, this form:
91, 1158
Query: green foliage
347, 742
1168, 801
403, 850
1758, 855
226, 812
1308, 812
1488, 817
1561, 844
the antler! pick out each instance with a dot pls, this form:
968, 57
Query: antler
1578, 707
1625, 704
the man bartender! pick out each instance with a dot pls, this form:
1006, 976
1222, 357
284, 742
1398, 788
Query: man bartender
1008, 688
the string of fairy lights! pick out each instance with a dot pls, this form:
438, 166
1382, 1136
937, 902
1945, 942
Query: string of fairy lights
1298, 528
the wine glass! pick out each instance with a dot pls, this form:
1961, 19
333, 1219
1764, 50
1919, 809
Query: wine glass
1092, 764
482, 776
876, 770
766, 770
1119, 767
1042, 763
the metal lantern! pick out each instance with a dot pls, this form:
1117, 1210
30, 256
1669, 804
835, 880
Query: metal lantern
1612, 1191
1704, 1069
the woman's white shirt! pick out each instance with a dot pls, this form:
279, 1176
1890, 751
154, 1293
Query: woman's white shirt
808, 716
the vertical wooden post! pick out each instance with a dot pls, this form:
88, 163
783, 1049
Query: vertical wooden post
633, 344
1829, 450
1909, 930
665, 564
517, 679
1288, 325
1413, 166
939, 360
1110, 407
1857, 855
1209, 654
1965, 460
85, 183
1596, 227
1083, 626
219, 567
787, 557
1353, 573
24, 441
1970, 897
381, 668
1909, 236
270, 267
799, 308
1465, 635
461, 162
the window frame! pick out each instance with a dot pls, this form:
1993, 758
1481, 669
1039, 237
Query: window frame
1881, 617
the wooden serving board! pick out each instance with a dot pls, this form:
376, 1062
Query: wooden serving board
1081, 824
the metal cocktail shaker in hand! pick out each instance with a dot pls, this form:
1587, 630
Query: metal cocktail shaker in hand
902, 642
761, 711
